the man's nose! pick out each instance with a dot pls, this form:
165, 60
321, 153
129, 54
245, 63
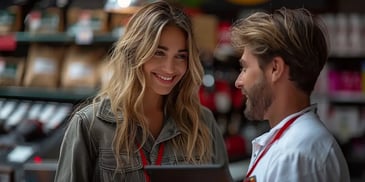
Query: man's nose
238, 83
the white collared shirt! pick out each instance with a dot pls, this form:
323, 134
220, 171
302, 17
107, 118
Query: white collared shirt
305, 152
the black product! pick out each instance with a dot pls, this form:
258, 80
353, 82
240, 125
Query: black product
191, 173
30, 130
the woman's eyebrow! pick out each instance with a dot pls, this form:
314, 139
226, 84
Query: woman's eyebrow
166, 49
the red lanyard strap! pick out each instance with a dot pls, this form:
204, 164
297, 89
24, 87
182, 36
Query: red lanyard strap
276, 137
145, 162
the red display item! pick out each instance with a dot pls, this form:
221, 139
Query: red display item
236, 147
237, 99
207, 98
7, 42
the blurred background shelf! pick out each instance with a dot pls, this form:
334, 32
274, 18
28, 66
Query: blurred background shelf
347, 97
58, 94
29, 37
26, 37
341, 97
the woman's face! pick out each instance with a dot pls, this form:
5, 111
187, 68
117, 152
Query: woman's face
169, 63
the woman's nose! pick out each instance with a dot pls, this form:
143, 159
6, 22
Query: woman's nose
168, 65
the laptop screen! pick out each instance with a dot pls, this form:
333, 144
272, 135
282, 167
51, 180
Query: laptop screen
188, 173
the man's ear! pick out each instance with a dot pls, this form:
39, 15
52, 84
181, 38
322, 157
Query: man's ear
277, 68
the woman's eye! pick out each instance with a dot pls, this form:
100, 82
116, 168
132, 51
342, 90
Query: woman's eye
182, 56
159, 53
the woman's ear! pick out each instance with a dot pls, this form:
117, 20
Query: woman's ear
278, 67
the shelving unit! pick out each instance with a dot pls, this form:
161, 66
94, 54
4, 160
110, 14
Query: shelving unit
341, 104
341, 97
26, 37
17, 44
53, 94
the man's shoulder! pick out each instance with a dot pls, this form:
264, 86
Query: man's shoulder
308, 138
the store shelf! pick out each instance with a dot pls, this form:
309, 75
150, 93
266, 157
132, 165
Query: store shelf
25, 37
347, 97
341, 97
347, 57
28, 37
47, 94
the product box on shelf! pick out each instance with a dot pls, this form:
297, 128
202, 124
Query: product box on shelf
11, 71
10, 20
45, 21
118, 21
43, 66
79, 68
205, 27
80, 19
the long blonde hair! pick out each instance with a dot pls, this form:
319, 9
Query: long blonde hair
127, 85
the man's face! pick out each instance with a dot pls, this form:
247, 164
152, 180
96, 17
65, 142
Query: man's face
254, 86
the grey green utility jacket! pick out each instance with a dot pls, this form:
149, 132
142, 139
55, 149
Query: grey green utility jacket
86, 152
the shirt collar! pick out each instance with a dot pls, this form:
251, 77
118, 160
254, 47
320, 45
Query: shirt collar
265, 138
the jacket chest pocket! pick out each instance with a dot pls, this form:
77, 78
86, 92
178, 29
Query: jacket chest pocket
130, 169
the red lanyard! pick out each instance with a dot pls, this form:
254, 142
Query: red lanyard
145, 162
276, 137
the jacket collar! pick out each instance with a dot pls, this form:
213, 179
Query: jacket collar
105, 113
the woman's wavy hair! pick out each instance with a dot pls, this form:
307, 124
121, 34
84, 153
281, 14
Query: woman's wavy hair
127, 84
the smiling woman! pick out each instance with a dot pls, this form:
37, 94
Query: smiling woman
168, 64
149, 112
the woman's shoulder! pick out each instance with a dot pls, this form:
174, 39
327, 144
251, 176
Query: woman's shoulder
96, 110
206, 111
207, 115
86, 110
95, 116
86, 122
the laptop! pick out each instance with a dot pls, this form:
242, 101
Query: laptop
188, 173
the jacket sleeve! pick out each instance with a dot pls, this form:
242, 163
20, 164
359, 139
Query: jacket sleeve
77, 154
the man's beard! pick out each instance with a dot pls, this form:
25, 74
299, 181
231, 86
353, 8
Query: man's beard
259, 99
